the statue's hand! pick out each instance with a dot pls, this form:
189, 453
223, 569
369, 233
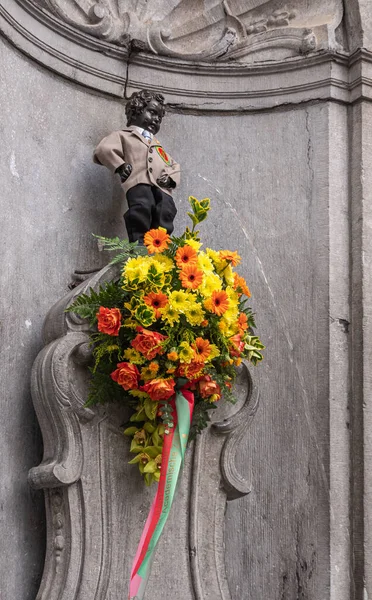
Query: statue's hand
124, 171
166, 182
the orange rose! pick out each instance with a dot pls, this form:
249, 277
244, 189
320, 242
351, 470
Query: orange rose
126, 375
109, 320
148, 343
208, 387
159, 389
237, 345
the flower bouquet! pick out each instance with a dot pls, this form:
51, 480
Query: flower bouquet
168, 336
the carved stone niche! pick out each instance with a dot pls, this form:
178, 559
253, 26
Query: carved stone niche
96, 504
246, 30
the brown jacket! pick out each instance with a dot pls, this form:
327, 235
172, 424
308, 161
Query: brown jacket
148, 159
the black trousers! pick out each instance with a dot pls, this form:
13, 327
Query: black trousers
148, 208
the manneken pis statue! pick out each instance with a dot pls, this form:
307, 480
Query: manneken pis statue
148, 174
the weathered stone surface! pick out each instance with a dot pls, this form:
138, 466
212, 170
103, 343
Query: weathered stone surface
285, 193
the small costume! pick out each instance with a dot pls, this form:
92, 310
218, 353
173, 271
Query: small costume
149, 205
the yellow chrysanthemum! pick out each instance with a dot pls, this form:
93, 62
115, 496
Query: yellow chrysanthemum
205, 263
185, 352
214, 352
133, 356
136, 269
150, 371
166, 263
194, 244
170, 315
211, 283
179, 300
228, 275
194, 314
216, 259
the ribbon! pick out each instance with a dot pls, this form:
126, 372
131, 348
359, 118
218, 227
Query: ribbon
174, 448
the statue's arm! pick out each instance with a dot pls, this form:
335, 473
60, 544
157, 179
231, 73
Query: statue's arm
110, 153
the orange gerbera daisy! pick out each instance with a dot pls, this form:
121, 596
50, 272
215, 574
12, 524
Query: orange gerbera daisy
157, 300
202, 349
156, 240
185, 256
190, 276
218, 303
232, 257
240, 285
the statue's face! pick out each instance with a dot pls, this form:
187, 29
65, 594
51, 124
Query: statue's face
150, 118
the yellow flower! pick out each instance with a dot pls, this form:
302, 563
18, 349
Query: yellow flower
205, 263
228, 275
150, 371
170, 315
186, 353
214, 352
216, 259
135, 270
194, 244
133, 356
179, 300
194, 314
166, 263
211, 283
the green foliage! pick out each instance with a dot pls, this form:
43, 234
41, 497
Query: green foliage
87, 305
123, 248
103, 389
200, 210
200, 418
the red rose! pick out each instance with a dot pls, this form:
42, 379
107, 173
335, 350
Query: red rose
109, 320
208, 387
159, 389
148, 343
126, 375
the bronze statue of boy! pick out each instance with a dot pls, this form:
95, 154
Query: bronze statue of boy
148, 174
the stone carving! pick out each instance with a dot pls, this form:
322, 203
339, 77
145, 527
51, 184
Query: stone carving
214, 30
96, 504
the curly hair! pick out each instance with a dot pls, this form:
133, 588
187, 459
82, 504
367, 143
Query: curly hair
139, 100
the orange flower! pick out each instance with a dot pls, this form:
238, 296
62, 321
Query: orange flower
159, 389
156, 240
126, 375
191, 370
157, 300
172, 356
232, 257
185, 256
109, 320
202, 350
190, 276
208, 387
240, 285
237, 345
148, 343
218, 303
242, 323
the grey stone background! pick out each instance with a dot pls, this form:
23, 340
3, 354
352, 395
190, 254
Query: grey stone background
283, 194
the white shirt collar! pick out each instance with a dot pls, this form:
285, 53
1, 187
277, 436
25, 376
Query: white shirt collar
141, 130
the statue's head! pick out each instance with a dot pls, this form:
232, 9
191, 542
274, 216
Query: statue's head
145, 109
